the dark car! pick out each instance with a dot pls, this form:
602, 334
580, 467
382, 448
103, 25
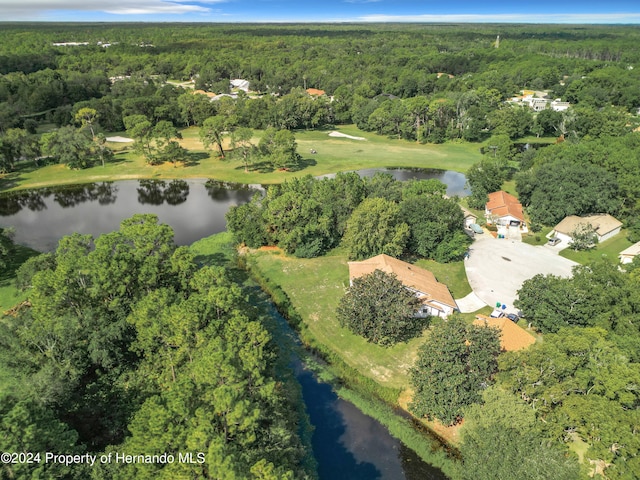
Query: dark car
513, 317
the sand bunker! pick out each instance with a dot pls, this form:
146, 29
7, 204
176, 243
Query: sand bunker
344, 135
119, 139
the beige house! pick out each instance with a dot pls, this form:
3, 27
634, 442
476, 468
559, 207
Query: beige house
435, 296
604, 225
512, 337
469, 217
628, 254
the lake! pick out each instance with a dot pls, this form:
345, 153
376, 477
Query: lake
194, 208
455, 181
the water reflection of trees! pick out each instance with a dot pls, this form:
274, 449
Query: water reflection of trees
415, 468
224, 191
151, 192
156, 192
12, 203
104, 193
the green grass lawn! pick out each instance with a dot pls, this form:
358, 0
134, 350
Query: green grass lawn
339, 154
334, 155
510, 187
539, 140
608, 249
315, 287
453, 275
216, 249
539, 238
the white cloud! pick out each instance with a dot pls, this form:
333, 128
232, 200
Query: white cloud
576, 18
25, 9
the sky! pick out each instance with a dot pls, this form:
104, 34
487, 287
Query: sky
502, 11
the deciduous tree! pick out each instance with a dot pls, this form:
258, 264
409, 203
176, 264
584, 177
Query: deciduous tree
484, 178
454, 365
70, 146
504, 424
213, 131
376, 227
379, 308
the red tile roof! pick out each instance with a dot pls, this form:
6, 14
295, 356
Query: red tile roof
314, 92
502, 204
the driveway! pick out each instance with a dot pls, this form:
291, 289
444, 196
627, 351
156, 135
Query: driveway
496, 268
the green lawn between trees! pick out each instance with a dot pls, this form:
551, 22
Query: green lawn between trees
315, 287
334, 154
608, 249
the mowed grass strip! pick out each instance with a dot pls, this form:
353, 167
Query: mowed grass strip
334, 154
315, 287
608, 249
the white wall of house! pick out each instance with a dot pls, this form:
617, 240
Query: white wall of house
507, 219
612, 233
566, 239
442, 311
428, 310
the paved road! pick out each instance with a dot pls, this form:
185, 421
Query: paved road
496, 268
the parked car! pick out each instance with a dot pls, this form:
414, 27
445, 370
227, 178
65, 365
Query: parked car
497, 313
553, 241
476, 228
513, 317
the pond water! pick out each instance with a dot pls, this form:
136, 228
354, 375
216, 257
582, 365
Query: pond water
455, 181
194, 208
350, 445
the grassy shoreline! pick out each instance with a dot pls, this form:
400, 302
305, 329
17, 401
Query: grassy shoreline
334, 154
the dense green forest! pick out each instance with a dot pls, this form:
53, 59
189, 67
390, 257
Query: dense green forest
307, 217
84, 370
456, 74
127, 346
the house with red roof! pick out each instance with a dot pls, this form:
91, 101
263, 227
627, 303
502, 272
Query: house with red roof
504, 209
314, 92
